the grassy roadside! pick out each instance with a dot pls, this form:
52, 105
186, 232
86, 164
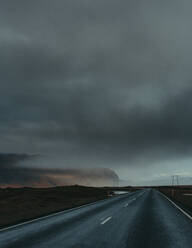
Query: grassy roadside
181, 195
21, 204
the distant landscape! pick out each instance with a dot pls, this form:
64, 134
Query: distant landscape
21, 204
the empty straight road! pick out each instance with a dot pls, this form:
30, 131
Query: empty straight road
142, 219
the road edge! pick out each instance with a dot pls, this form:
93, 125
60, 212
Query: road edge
55, 214
176, 206
50, 215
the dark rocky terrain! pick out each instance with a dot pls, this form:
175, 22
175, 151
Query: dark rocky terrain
21, 204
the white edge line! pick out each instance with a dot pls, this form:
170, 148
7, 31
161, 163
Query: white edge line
106, 220
186, 214
50, 215
54, 214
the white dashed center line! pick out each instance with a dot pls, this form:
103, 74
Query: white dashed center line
106, 220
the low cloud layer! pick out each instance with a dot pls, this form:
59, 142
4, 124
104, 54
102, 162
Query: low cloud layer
97, 83
16, 173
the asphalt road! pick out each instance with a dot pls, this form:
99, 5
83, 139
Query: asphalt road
142, 219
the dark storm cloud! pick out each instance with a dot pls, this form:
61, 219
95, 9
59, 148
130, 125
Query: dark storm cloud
96, 82
13, 173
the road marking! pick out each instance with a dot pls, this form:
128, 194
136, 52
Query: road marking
56, 213
52, 215
106, 220
127, 204
186, 214
132, 200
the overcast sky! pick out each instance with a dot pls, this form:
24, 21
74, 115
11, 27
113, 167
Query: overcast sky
104, 83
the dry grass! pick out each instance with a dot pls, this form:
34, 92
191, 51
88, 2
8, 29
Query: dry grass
181, 194
18, 205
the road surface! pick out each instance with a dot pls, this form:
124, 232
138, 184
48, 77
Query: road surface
143, 219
